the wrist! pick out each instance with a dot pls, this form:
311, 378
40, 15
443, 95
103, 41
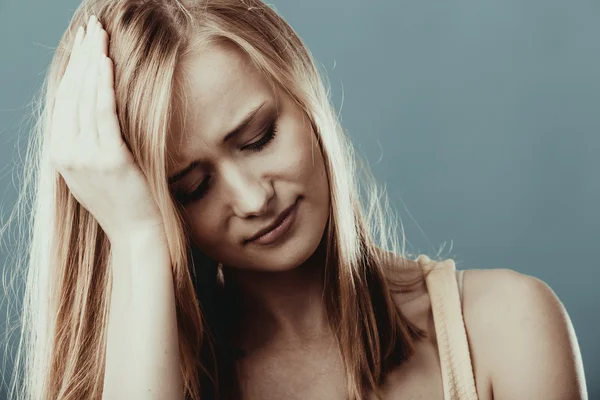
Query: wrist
138, 253
140, 237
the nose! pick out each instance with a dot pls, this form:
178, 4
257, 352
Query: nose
249, 195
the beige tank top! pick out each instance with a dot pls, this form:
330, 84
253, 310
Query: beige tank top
444, 285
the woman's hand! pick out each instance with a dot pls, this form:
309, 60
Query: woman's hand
86, 145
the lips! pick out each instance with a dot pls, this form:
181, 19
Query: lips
277, 221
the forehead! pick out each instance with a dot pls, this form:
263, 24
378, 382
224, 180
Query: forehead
221, 85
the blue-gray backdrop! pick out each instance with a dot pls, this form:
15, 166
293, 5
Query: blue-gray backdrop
481, 117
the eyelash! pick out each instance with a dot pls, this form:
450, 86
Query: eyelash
257, 146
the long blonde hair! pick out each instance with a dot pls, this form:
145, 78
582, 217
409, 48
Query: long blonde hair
61, 354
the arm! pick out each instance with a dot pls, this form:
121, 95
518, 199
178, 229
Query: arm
87, 148
142, 352
530, 342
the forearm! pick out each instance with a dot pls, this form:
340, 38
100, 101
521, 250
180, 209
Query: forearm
142, 354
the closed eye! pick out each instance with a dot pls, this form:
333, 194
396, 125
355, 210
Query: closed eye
199, 191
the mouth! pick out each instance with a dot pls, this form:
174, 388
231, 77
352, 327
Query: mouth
277, 228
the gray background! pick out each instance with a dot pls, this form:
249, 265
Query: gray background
481, 118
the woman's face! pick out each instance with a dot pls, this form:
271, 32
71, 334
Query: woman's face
241, 186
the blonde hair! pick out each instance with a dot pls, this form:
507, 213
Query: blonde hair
61, 354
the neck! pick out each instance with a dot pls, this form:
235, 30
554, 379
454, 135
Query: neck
284, 309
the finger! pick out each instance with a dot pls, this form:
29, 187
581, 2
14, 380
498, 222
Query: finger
109, 131
64, 118
87, 103
103, 40
73, 56
79, 59
71, 100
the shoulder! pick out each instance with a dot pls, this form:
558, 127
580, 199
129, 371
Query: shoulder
523, 335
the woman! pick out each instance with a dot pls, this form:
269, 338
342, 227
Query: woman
208, 240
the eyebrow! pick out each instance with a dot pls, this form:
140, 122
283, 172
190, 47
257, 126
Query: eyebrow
248, 119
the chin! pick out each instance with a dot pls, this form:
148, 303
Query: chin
292, 257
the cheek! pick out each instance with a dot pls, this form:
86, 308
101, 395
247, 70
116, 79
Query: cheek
310, 162
204, 230
298, 151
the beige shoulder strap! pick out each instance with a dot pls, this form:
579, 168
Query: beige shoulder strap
455, 359
459, 280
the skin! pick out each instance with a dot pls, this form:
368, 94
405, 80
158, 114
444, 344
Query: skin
86, 148
521, 340
281, 283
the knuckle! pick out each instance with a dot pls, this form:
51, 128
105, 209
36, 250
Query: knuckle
57, 157
56, 160
84, 161
111, 162
62, 162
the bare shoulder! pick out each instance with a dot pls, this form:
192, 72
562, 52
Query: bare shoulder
522, 335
